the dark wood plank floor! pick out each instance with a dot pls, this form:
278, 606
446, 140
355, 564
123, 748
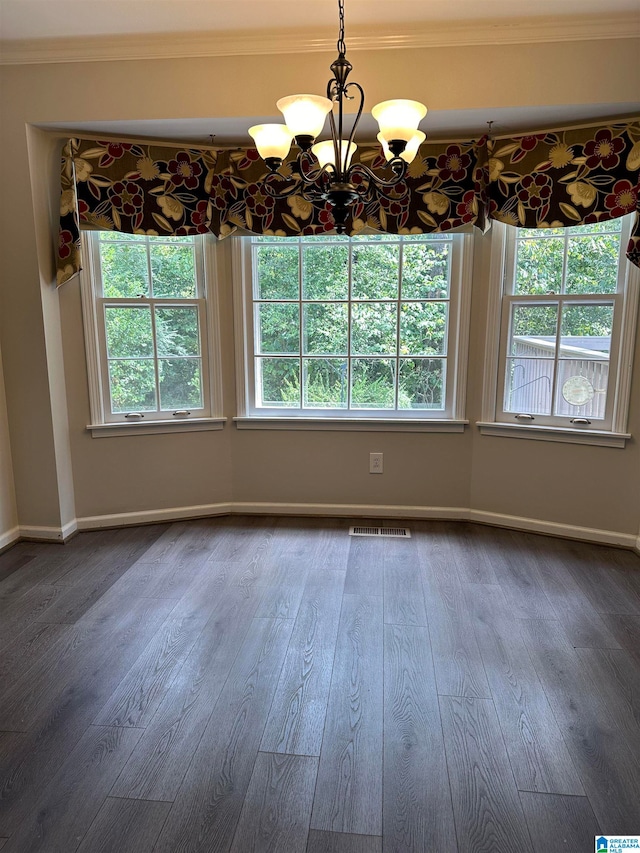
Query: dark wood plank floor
259, 685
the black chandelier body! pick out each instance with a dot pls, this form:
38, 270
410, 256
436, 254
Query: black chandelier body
323, 173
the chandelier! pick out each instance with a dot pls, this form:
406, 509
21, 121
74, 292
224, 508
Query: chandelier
323, 172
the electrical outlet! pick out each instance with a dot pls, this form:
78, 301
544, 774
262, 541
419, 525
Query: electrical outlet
375, 463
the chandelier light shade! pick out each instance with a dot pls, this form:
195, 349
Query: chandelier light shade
272, 140
409, 152
398, 119
325, 153
304, 114
323, 173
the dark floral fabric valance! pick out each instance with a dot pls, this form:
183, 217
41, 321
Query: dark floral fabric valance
445, 187
567, 177
560, 178
133, 188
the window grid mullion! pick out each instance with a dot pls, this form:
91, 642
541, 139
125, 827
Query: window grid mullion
349, 325
398, 304
300, 328
556, 356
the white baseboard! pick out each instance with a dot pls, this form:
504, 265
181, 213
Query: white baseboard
152, 516
49, 534
9, 537
533, 525
353, 510
553, 528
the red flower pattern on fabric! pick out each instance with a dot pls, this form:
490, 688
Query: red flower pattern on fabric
623, 199
535, 191
258, 201
453, 163
528, 143
325, 218
184, 170
251, 156
126, 197
116, 150
65, 243
199, 217
222, 189
466, 208
83, 209
603, 150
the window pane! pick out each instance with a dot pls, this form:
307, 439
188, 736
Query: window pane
325, 383
425, 271
539, 266
325, 272
373, 383
373, 328
278, 328
583, 368
129, 332
177, 331
277, 271
118, 237
375, 272
582, 387
125, 274
180, 383
534, 326
587, 326
173, 271
528, 385
608, 227
421, 383
592, 263
278, 382
326, 328
423, 328
133, 386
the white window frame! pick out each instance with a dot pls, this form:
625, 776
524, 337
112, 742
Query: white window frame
104, 423
453, 419
611, 432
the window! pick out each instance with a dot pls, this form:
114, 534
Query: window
148, 325
365, 327
568, 306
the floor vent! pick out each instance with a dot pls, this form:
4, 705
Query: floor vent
388, 532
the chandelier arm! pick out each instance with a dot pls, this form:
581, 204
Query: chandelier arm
358, 115
335, 96
397, 163
280, 194
313, 177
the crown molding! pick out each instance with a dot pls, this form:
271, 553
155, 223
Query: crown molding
197, 45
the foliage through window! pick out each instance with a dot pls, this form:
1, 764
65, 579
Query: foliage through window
353, 327
150, 319
563, 325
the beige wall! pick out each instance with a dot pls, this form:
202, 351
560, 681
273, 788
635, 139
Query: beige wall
8, 514
60, 471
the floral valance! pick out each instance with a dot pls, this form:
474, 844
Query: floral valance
542, 180
567, 177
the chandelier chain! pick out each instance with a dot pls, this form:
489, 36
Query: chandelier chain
342, 48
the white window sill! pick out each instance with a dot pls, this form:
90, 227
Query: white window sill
350, 424
601, 438
155, 427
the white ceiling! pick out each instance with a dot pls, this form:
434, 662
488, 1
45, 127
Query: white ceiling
253, 22
32, 19
442, 124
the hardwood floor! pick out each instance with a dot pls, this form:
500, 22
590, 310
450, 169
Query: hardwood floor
263, 685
